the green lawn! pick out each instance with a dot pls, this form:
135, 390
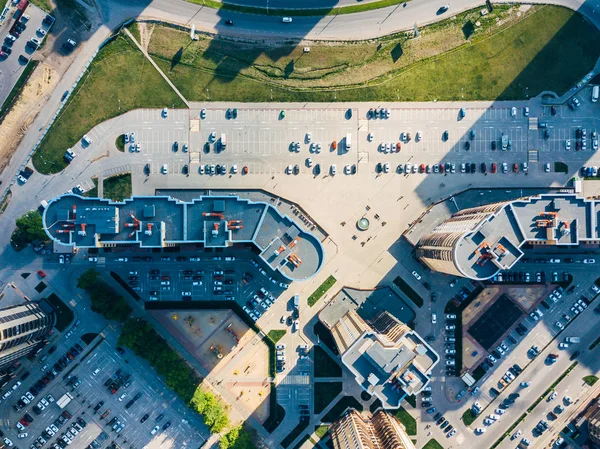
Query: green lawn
407, 420
433, 444
590, 380
408, 291
117, 188
119, 79
321, 290
561, 167
325, 392
297, 12
120, 143
468, 417
529, 52
321, 431
93, 192
276, 334
325, 366
337, 410
64, 315
43, 4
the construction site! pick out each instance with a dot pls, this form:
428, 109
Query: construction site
228, 349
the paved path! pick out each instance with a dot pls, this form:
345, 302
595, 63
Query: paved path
165, 77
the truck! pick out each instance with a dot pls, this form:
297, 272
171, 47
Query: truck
64, 400
223, 142
348, 141
296, 301
572, 339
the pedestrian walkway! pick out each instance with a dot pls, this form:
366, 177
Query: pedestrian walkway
166, 78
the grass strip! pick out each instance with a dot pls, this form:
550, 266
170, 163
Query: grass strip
276, 334
337, 410
595, 344
321, 431
561, 167
409, 422
293, 12
289, 439
551, 387
117, 188
16, 90
509, 431
433, 444
321, 290
468, 417
408, 291
325, 366
324, 393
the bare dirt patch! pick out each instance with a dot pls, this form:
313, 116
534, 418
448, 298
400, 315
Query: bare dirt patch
33, 96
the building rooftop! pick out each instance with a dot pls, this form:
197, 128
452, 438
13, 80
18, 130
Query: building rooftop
551, 219
390, 372
213, 221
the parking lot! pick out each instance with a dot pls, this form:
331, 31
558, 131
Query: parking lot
264, 142
201, 277
62, 398
11, 65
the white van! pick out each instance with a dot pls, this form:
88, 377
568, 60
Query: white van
595, 92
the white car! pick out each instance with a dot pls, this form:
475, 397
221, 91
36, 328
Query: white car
386, 167
22, 435
586, 261
416, 275
309, 162
165, 113
347, 169
480, 430
552, 396
559, 325
547, 167
8, 442
286, 20
513, 111
419, 136
96, 371
526, 111
433, 318
203, 113
568, 144
333, 170
504, 167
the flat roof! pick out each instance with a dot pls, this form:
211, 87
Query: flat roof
390, 372
211, 220
547, 219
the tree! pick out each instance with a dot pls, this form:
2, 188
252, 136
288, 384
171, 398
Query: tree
29, 229
237, 438
105, 300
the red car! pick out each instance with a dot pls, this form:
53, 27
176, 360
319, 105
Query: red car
422, 168
41, 274
516, 168
494, 167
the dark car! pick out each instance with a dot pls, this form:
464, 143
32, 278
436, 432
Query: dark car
23, 59
574, 355
229, 22
144, 418
6, 49
483, 167
467, 145
147, 169
167, 425
159, 417
175, 146
473, 167
493, 145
